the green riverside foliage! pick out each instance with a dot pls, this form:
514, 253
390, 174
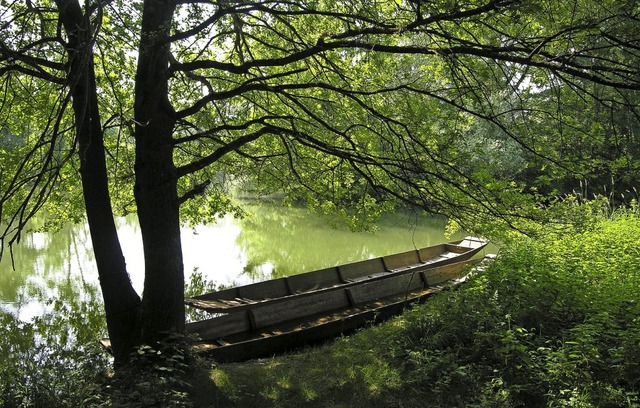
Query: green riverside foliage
54, 361
157, 376
555, 321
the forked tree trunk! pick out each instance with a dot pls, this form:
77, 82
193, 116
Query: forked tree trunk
156, 178
122, 303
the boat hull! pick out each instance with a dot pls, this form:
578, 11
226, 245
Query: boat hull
273, 328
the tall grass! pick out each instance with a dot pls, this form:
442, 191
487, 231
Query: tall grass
555, 321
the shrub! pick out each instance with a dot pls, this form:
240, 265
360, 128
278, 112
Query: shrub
54, 361
554, 321
155, 376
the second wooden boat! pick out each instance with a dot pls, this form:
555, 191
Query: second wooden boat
277, 290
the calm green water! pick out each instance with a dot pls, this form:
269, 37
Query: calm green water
272, 241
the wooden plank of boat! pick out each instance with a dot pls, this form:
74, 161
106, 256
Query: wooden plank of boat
276, 290
271, 328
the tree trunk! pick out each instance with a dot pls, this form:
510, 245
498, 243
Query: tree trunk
156, 178
122, 303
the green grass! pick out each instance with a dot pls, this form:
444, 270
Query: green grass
554, 322
352, 371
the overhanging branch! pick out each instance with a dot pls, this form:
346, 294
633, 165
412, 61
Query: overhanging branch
223, 150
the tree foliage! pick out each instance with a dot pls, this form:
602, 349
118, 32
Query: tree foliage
369, 96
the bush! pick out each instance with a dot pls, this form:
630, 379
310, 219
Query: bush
155, 376
554, 321
54, 361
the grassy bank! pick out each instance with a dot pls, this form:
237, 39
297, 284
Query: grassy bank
553, 322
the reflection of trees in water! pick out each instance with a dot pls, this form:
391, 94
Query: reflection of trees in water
55, 316
47, 265
258, 269
12, 279
295, 241
56, 350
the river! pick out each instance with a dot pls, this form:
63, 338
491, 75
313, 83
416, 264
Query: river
272, 241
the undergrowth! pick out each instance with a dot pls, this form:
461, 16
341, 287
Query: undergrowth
156, 376
554, 322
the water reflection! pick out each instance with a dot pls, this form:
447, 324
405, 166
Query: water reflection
46, 266
290, 240
272, 241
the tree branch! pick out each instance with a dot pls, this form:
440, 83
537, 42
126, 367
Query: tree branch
221, 151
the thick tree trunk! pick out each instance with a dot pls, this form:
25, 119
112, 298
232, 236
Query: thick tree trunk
122, 303
156, 178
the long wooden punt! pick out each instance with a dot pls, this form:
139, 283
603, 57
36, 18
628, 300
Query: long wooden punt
323, 280
271, 328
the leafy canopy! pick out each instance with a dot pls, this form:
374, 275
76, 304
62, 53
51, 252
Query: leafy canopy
463, 108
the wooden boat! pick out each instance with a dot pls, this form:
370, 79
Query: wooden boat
324, 280
269, 328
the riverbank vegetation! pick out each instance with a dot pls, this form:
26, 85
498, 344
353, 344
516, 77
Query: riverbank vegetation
553, 322
508, 117
475, 110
